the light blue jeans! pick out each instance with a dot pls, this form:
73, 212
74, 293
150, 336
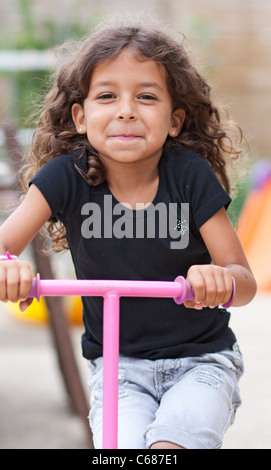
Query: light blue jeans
190, 401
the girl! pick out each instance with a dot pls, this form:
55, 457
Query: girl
127, 132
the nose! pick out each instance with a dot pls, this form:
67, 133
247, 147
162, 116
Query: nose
126, 110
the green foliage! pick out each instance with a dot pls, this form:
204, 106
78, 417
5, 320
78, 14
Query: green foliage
43, 34
242, 191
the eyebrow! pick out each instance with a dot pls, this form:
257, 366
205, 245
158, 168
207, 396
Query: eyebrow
151, 85
141, 84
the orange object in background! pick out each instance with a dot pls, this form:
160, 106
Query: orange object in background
254, 231
74, 310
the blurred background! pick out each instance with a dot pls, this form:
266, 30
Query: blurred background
232, 43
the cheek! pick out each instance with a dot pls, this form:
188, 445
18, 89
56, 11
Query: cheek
165, 120
95, 124
93, 117
162, 128
94, 137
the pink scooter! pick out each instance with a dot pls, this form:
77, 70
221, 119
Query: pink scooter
111, 291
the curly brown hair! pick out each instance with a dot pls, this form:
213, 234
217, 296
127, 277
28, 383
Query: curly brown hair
206, 129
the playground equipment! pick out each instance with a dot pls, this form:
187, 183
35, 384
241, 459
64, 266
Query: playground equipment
111, 291
254, 225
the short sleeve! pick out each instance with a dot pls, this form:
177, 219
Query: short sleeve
204, 191
61, 185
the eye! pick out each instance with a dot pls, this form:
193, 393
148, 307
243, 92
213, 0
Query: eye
147, 97
106, 96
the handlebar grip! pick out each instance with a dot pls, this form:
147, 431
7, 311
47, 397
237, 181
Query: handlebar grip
189, 294
231, 300
187, 290
35, 289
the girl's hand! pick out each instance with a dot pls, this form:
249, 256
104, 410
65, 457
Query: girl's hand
15, 282
212, 286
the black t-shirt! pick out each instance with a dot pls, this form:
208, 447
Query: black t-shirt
110, 241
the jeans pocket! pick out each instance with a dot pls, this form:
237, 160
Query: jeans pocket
231, 359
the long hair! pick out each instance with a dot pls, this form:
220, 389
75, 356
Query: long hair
206, 128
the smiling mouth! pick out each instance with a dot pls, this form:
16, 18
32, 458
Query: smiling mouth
125, 137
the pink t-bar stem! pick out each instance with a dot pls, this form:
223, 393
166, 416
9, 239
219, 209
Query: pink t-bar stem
110, 370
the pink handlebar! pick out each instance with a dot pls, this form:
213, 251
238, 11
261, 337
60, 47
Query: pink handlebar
180, 290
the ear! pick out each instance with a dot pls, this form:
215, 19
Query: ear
78, 117
178, 118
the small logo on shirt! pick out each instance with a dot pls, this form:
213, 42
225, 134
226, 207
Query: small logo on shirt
182, 226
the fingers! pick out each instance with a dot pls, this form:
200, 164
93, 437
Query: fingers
15, 280
212, 286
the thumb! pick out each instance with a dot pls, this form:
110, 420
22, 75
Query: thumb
24, 304
192, 304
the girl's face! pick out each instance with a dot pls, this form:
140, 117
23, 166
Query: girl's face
127, 114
